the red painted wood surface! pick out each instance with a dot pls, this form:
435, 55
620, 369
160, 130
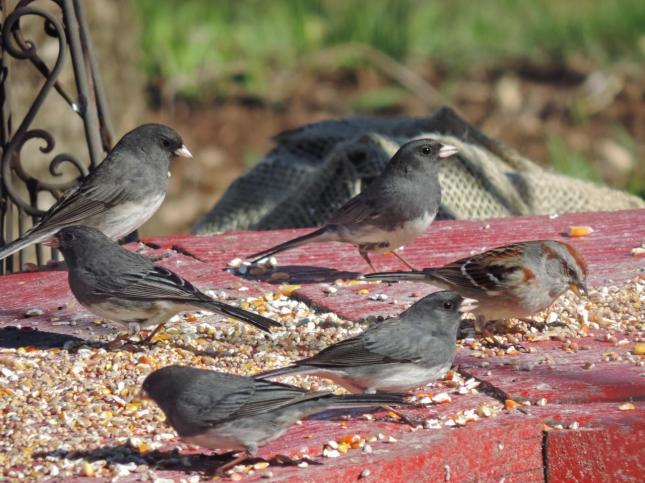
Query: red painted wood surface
607, 447
607, 250
572, 377
608, 443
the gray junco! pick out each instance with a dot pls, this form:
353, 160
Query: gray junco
123, 286
393, 210
516, 280
396, 355
218, 410
122, 193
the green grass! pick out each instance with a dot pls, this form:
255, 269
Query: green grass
569, 162
193, 43
200, 49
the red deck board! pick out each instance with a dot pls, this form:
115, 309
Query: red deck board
49, 292
565, 380
509, 445
607, 250
607, 442
608, 445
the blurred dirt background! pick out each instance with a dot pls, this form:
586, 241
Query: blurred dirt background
563, 84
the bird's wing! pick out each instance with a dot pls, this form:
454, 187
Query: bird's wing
360, 209
82, 202
355, 351
150, 283
215, 396
269, 396
491, 271
395, 341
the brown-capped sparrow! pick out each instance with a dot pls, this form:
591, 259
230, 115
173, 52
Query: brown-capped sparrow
516, 280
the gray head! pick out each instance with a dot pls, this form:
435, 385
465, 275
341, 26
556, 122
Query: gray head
171, 387
420, 155
164, 386
160, 143
567, 265
76, 241
439, 311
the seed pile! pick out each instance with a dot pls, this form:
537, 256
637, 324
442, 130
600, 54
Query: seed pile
75, 412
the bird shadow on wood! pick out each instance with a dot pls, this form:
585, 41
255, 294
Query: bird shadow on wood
14, 338
345, 414
168, 460
299, 274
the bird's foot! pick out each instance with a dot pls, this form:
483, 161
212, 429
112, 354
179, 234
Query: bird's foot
118, 342
364, 255
403, 260
226, 467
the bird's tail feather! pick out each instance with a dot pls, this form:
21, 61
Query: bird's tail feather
397, 276
24, 241
351, 400
322, 234
262, 323
281, 371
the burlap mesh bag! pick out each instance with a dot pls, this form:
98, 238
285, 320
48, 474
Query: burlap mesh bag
315, 169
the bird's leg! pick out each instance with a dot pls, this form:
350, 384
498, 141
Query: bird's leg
366, 257
158, 321
148, 339
480, 324
403, 260
134, 328
221, 470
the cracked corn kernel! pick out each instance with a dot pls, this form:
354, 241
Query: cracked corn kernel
510, 405
639, 349
628, 406
579, 231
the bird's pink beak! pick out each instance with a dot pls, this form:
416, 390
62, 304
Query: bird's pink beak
468, 305
51, 242
183, 152
447, 150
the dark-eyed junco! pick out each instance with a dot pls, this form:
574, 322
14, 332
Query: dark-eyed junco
218, 410
125, 287
121, 194
396, 355
393, 210
516, 280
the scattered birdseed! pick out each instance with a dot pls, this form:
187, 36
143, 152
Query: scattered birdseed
629, 406
638, 251
442, 397
34, 312
579, 231
70, 414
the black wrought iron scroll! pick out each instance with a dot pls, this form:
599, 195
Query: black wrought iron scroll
69, 27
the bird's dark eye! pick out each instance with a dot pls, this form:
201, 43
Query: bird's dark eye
165, 143
426, 150
447, 305
67, 237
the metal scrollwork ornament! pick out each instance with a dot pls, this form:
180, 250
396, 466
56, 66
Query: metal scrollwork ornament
89, 103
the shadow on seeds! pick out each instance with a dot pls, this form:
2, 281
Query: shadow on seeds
299, 274
13, 338
169, 460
